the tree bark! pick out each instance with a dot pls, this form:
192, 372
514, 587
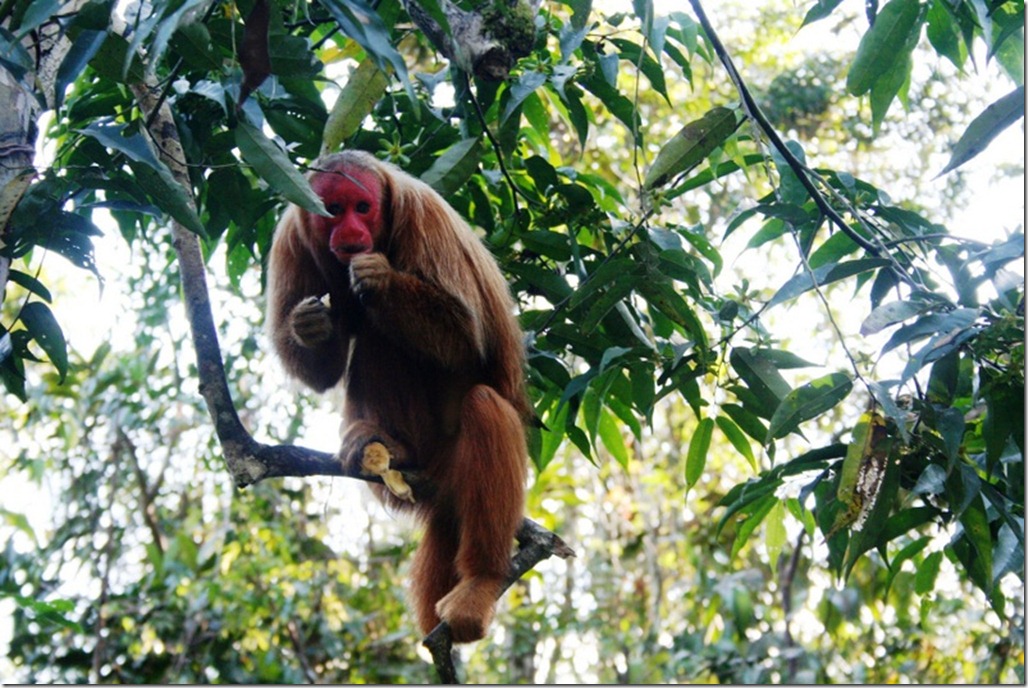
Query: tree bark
18, 117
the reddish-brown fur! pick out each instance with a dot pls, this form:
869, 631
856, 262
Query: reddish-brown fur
421, 332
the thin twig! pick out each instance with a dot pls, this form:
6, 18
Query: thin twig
802, 173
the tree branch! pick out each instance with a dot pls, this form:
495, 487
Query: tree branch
535, 544
485, 43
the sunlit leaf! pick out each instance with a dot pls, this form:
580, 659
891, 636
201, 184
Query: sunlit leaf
699, 445
987, 126
809, 401
610, 434
737, 438
823, 276
927, 573
884, 44
691, 145
452, 169
774, 532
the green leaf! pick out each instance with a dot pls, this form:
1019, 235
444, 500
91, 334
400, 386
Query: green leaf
761, 376
613, 440
927, 573
552, 435
274, 167
53, 612
616, 103
822, 276
691, 145
31, 284
549, 283
168, 195
809, 401
737, 438
1008, 555
975, 545
42, 326
525, 86
790, 189
749, 422
37, 12
662, 296
944, 35
452, 169
985, 127
135, 146
85, 47
820, 10
905, 554
891, 313
696, 458
291, 57
362, 91
750, 523
14, 57
884, 44
602, 277
933, 323
362, 23
895, 81
774, 533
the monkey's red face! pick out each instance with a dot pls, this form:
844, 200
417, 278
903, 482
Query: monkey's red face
353, 198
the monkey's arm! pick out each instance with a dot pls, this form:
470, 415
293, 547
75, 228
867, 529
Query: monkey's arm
310, 337
421, 316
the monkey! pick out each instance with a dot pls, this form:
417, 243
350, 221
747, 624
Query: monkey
419, 327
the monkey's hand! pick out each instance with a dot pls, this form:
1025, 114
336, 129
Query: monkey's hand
369, 273
310, 322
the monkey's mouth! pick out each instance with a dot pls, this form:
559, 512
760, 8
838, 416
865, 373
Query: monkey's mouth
344, 252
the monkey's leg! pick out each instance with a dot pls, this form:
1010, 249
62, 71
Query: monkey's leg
485, 485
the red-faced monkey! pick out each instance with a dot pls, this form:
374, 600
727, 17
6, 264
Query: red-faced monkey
419, 327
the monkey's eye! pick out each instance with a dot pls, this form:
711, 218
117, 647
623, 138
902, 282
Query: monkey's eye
334, 208
363, 207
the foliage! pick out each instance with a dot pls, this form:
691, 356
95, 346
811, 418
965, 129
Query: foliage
607, 193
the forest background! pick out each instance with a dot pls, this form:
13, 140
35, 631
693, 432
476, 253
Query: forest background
775, 320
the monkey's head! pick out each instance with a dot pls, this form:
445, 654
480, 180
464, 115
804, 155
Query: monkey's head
352, 193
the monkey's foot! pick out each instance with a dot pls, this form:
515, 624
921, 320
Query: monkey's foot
468, 608
375, 460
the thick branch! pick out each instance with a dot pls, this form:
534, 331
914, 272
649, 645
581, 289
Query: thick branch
485, 43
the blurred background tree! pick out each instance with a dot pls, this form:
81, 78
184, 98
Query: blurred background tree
785, 450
